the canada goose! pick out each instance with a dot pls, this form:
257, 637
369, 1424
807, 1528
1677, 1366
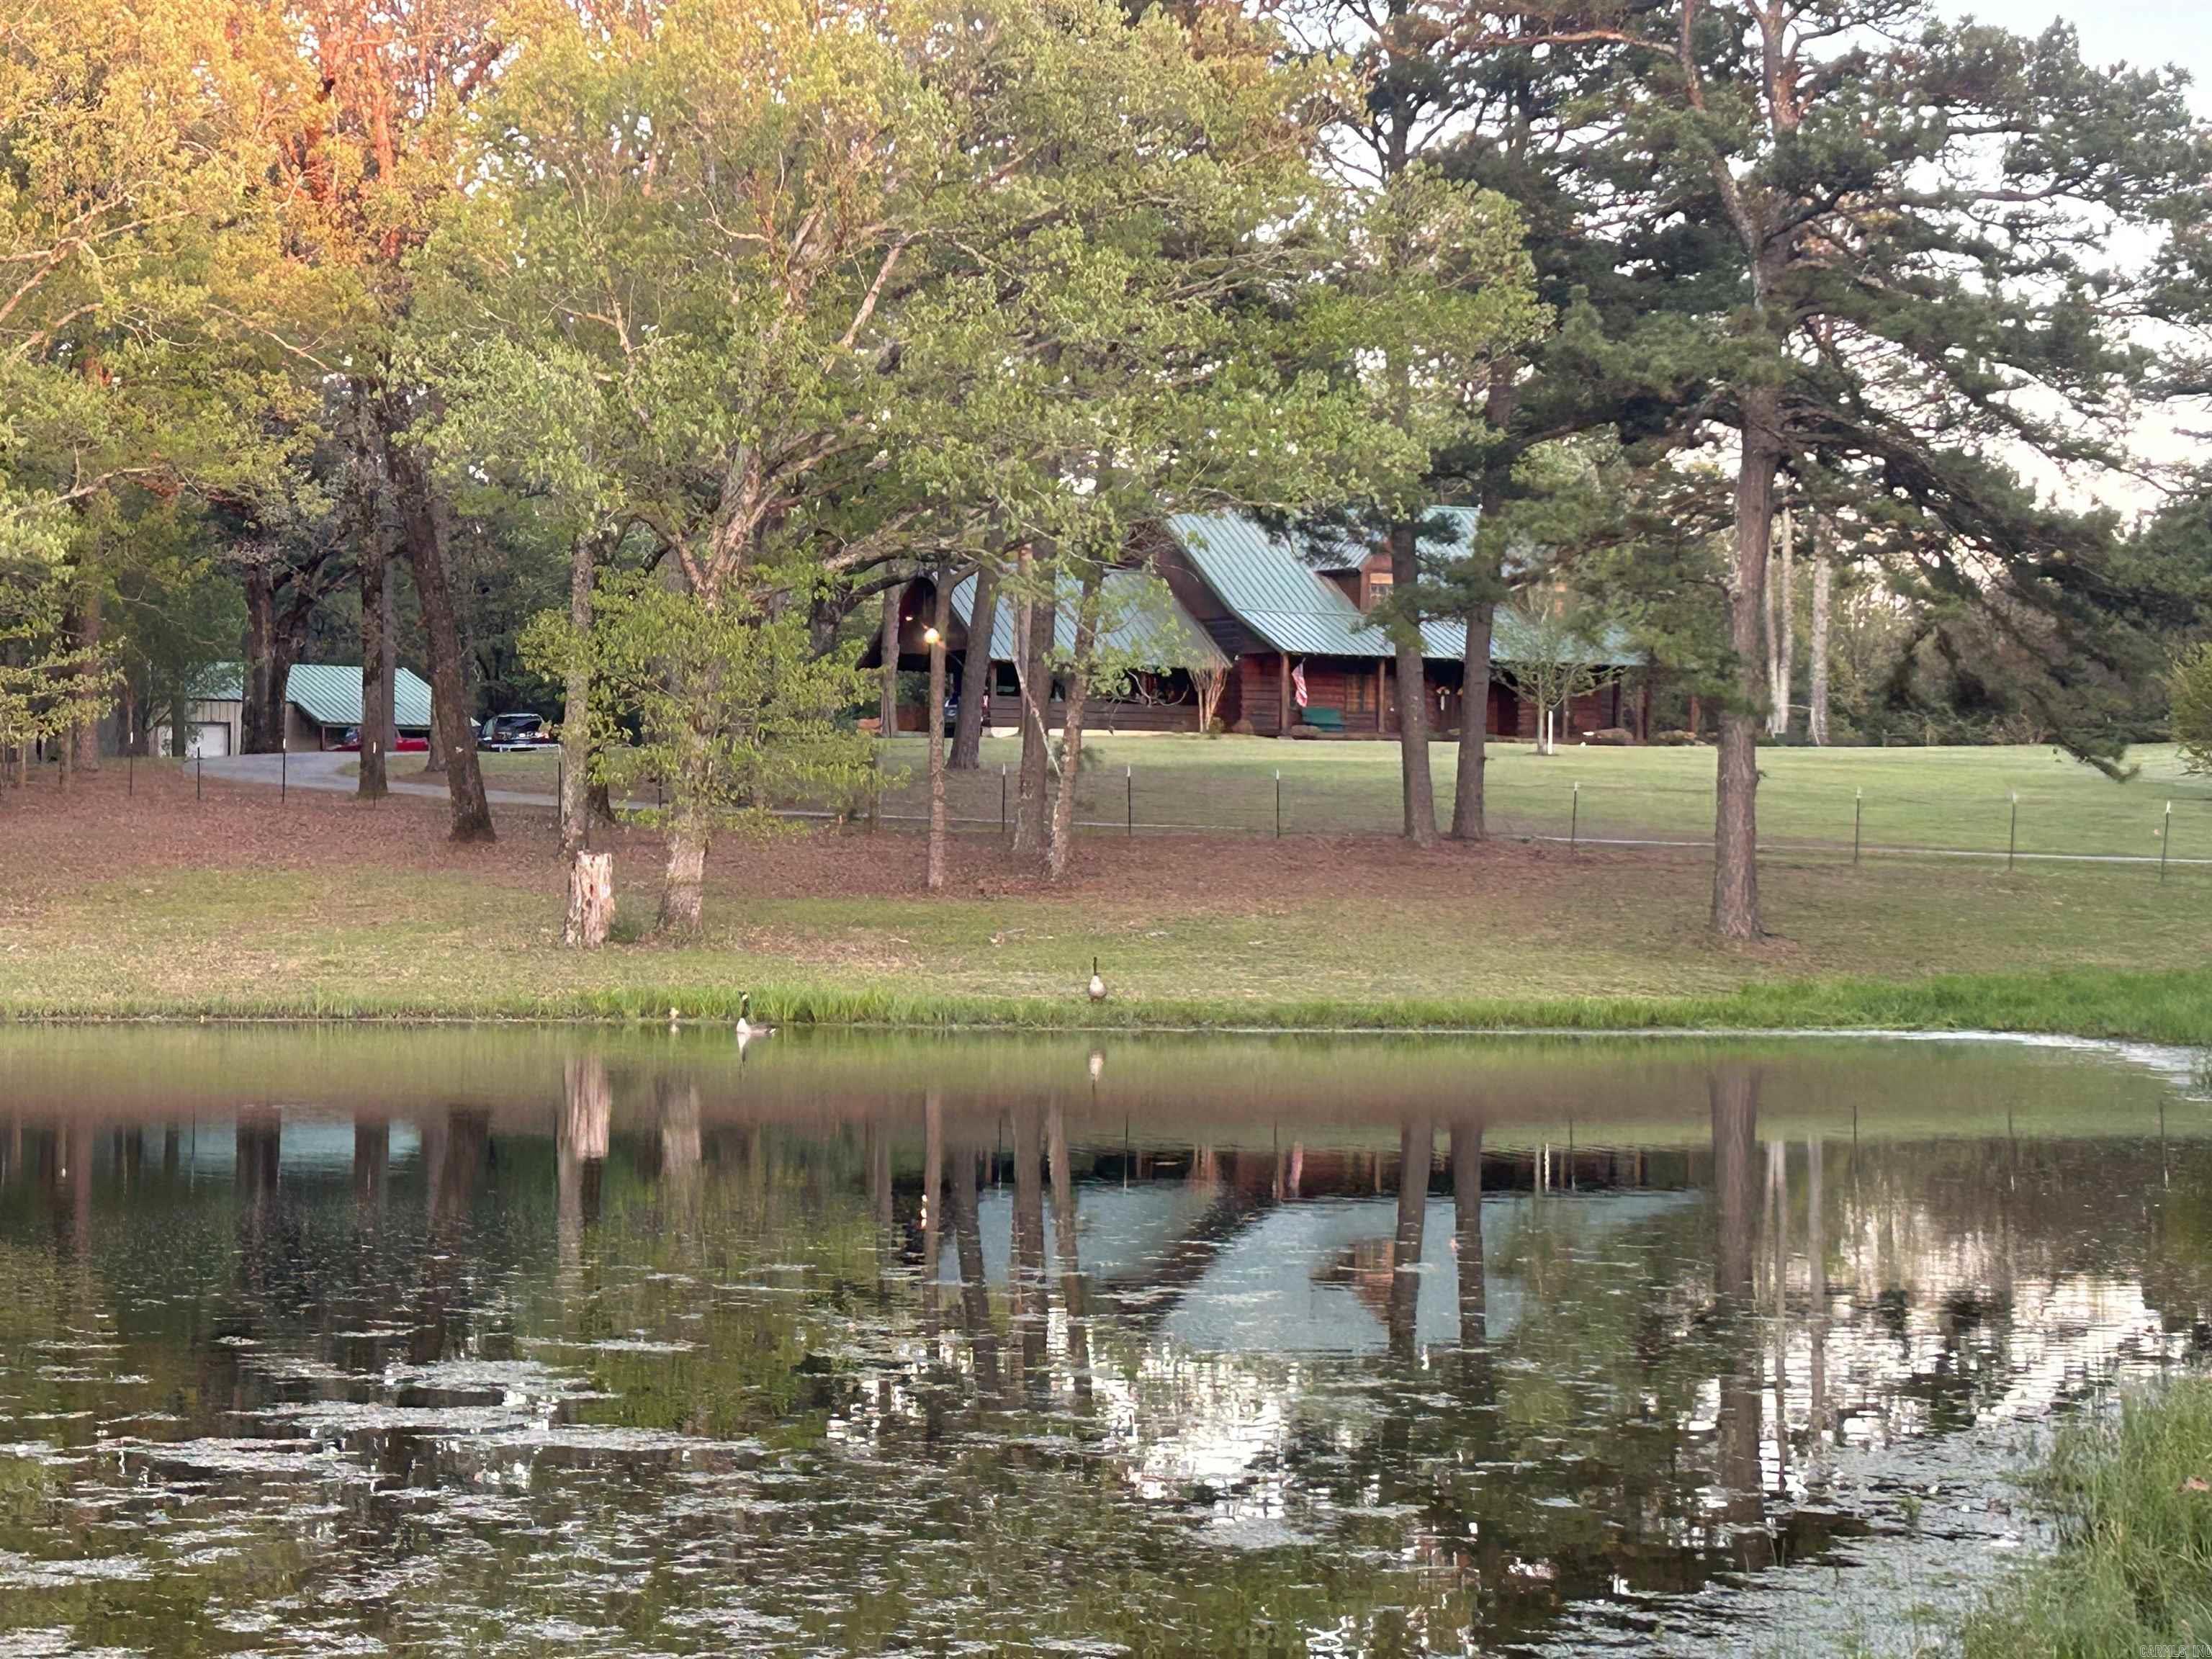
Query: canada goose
1098, 984
746, 1030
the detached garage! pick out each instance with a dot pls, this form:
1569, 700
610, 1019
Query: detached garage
322, 702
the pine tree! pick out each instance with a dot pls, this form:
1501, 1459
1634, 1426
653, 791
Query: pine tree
1913, 214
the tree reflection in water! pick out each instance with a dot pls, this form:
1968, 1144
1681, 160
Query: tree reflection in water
650, 1363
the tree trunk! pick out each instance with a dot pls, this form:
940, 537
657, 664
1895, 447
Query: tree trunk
86, 734
1781, 631
825, 615
1417, 1142
1072, 1290
131, 723
1026, 1269
1824, 578
591, 901
1789, 610
434, 763
426, 553
1474, 727
1467, 1226
1738, 1442
932, 1204
375, 688
1062, 847
576, 703
975, 1290
683, 892
1419, 792
887, 689
942, 621
1773, 638
1035, 649
261, 717
976, 673
390, 708
1735, 807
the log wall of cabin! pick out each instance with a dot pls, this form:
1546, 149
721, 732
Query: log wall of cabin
1351, 685
1173, 706
1606, 707
1253, 684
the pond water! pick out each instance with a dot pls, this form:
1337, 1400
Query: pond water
491, 1342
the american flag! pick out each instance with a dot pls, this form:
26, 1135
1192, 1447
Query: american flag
1298, 683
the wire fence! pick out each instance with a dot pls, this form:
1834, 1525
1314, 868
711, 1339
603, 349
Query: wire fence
2167, 830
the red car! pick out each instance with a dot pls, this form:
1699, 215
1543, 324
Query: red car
409, 744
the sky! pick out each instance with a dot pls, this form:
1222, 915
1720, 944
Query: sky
2138, 32
2178, 32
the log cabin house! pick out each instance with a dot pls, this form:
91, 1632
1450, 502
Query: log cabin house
1260, 605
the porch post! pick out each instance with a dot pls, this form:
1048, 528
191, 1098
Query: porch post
1380, 682
1283, 694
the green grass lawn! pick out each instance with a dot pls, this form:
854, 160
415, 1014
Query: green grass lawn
1949, 798
244, 904
1915, 798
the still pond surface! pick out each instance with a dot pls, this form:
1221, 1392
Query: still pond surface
499, 1342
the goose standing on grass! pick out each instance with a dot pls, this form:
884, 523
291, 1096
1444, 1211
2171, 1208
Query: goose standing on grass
1098, 984
747, 1031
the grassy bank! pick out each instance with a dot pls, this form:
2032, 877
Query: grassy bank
2144, 1007
2172, 1008
2132, 1577
238, 904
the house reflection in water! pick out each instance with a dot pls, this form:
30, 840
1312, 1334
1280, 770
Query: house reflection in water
1521, 1373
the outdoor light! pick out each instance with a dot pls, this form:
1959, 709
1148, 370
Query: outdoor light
931, 636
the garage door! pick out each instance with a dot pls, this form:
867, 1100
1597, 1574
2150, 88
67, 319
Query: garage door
209, 740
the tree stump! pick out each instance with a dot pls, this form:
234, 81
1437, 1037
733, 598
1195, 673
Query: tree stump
591, 901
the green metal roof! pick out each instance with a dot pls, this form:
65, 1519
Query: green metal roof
329, 693
1148, 625
1272, 584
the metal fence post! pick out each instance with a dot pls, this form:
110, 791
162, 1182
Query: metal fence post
1575, 818
130, 774
1129, 800
2012, 837
2164, 841
1002, 798
1279, 803
283, 773
199, 765
1858, 803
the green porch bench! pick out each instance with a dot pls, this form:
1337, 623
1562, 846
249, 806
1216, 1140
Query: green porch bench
1321, 720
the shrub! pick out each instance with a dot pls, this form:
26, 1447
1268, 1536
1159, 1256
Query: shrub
2189, 683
